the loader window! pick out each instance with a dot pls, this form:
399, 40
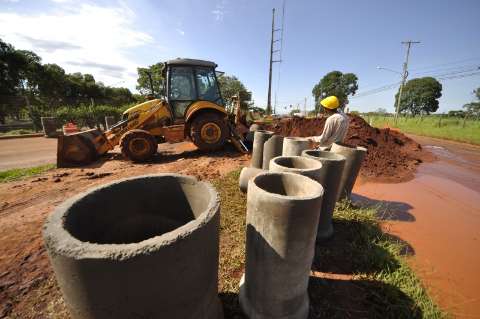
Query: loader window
207, 85
182, 87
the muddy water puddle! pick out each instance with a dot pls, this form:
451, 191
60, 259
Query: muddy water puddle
438, 215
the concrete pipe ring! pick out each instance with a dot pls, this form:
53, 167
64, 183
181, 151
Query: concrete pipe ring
331, 172
354, 156
298, 165
144, 247
294, 146
282, 217
259, 139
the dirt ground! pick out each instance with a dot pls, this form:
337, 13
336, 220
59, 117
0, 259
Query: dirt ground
25, 204
391, 157
27, 152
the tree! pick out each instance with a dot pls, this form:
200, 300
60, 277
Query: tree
420, 96
473, 108
153, 73
381, 110
335, 83
231, 86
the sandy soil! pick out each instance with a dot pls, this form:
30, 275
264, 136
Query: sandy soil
27, 152
25, 204
391, 156
438, 214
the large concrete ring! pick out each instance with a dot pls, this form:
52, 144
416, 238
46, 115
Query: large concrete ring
282, 218
294, 146
144, 247
354, 159
298, 165
330, 174
260, 137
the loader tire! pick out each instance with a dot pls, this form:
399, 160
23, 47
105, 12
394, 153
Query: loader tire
209, 131
138, 145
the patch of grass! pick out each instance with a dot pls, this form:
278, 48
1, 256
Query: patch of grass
18, 132
361, 272
451, 128
17, 173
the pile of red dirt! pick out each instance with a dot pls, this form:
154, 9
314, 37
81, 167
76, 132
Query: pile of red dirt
391, 155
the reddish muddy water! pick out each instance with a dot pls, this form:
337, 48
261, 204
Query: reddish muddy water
438, 215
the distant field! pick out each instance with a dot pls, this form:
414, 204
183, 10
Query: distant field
451, 128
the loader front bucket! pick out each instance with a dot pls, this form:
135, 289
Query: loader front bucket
80, 148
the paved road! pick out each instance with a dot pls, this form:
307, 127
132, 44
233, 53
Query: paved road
438, 215
27, 152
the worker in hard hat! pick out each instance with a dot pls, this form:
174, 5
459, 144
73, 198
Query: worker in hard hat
336, 125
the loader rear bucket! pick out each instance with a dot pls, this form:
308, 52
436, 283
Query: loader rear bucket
80, 148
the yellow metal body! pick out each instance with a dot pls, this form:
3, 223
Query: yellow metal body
155, 117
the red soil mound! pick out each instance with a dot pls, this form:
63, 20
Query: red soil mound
391, 155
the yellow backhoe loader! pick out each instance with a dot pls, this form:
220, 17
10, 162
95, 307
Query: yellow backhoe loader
193, 109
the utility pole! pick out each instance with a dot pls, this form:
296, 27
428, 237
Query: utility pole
272, 41
305, 107
404, 75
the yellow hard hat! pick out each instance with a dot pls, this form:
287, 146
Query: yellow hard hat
330, 102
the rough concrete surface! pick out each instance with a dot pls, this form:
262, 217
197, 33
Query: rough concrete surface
272, 148
294, 146
298, 165
260, 137
144, 247
354, 156
330, 174
282, 217
246, 174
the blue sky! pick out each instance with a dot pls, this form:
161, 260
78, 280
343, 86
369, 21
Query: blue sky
111, 38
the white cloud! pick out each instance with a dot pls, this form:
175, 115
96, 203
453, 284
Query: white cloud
180, 31
219, 11
81, 38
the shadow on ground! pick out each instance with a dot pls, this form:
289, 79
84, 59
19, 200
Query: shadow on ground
353, 250
386, 210
333, 298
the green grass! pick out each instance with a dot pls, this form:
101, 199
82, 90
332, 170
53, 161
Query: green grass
451, 128
379, 283
18, 132
17, 173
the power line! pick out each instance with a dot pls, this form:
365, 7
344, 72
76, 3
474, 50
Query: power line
443, 64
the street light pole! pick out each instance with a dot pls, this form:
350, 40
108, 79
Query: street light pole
404, 76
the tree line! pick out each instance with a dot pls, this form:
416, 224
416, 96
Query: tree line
29, 86
419, 97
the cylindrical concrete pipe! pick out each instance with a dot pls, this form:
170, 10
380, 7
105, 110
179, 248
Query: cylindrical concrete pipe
144, 247
282, 218
353, 161
246, 174
272, 148
294, 146
49, 125
109, 121
259, 140
298, 165
330, 174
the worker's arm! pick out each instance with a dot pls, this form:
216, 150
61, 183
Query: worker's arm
322, 140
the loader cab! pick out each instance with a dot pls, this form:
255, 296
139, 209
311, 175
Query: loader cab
189, 81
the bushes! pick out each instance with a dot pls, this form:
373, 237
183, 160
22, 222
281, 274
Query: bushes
91, 116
